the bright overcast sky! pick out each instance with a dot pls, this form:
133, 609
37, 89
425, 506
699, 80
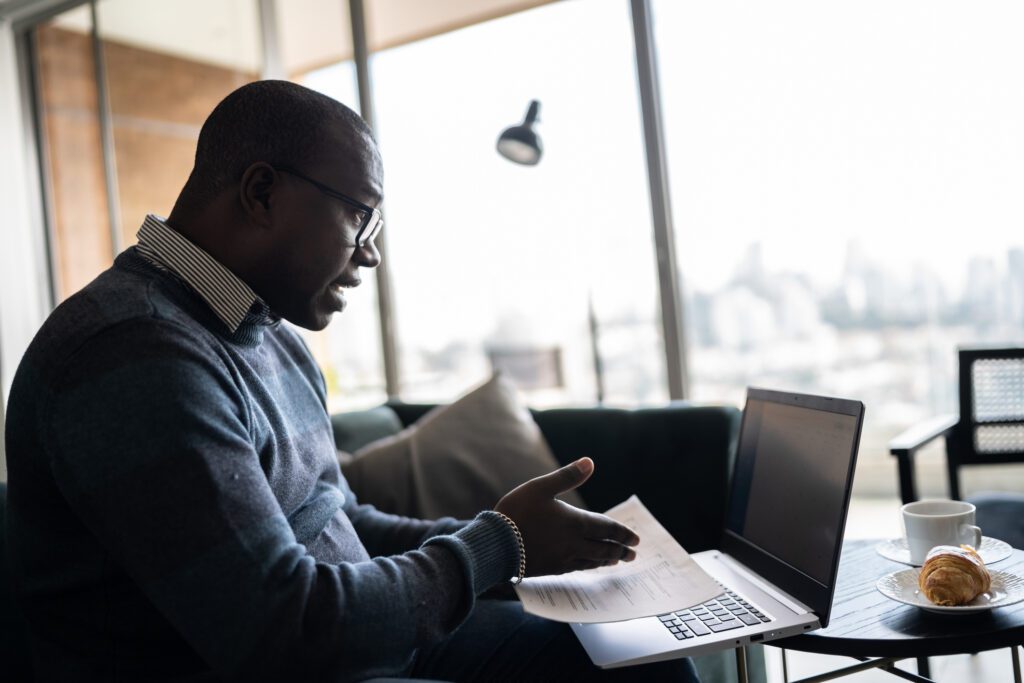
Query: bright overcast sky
901, 121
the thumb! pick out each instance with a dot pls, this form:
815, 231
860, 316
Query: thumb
565, 478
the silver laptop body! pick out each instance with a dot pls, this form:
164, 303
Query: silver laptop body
780, 547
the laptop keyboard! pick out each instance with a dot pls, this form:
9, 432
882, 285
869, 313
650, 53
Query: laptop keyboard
723, 613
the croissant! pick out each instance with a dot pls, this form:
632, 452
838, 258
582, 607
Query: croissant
953, 576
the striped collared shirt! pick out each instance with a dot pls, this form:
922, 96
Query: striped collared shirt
227, 295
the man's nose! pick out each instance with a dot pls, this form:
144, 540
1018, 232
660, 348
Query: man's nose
367, 255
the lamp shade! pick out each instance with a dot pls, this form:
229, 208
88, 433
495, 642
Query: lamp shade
521, 143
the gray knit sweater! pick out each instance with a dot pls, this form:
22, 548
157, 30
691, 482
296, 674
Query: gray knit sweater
176, 508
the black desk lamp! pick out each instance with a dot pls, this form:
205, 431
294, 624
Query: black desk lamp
520, 143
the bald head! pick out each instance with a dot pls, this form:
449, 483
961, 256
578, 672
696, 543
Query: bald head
283, 180
277, 122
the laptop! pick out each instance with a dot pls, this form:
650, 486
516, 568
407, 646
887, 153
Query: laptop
779, 552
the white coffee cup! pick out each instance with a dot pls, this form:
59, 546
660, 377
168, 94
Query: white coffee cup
928, 523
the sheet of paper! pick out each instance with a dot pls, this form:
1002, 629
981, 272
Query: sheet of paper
661, 579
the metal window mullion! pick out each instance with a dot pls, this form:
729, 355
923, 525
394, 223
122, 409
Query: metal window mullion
106, 136
28, 57
661, 208
273, 64
385, 297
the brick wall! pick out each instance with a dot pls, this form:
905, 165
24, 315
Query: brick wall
81, 247
158, 103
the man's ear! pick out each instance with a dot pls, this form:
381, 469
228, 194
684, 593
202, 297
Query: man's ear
259, 182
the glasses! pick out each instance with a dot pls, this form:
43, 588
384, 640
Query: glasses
370, 219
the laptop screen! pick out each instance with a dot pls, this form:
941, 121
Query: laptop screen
790, 480
791, 490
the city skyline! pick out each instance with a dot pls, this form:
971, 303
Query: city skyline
868, 294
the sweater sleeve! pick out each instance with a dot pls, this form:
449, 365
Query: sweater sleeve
150, 444
386, 534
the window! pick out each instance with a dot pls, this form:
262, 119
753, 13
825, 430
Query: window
68, 98
845, 185
494, 262
166, 65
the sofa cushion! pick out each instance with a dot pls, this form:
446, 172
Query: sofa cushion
457, 459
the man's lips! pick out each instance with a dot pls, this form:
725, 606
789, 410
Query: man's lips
337, 292
339, 285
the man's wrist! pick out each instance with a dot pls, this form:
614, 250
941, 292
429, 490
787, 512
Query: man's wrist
488, 549
518, 579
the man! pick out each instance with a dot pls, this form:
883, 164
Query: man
175, 505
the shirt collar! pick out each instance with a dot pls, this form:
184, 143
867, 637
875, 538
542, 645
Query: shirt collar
225, 293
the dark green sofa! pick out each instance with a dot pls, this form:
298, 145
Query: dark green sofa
676, 458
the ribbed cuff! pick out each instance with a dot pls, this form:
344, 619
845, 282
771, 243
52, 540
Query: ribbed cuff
488, 549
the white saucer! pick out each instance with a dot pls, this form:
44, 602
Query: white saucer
992, 550
901, 586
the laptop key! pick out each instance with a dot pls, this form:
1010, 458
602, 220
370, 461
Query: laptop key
699, 628
725, 625
749, 620
708, 617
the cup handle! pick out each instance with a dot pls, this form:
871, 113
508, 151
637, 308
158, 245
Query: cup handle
969, 529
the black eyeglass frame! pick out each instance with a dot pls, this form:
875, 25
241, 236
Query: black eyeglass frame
373, 220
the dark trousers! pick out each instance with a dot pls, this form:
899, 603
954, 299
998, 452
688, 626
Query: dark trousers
501, 642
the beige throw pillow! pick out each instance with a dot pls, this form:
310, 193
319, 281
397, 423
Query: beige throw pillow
457, 459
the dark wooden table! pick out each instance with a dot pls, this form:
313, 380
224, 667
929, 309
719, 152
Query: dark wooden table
866, 624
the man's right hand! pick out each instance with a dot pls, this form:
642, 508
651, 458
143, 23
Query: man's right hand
559, 537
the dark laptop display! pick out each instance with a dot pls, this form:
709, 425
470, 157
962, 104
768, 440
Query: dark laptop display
791, 489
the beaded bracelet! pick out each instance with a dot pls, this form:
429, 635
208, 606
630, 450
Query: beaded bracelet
522, 548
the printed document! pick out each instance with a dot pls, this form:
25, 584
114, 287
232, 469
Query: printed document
663, 578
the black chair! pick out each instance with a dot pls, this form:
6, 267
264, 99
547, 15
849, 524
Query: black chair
988, 431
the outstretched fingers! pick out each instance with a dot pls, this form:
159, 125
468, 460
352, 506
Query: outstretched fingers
599, 527
603, 553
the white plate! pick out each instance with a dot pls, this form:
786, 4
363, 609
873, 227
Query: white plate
991, 550
901, 586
